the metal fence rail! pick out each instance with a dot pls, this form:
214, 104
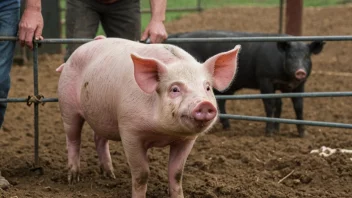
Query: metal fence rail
201, 40
228, 97
38, 99
283, 95
14, 100
260, 39
287, 121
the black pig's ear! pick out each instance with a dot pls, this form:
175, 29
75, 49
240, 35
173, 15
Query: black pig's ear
283, 46
316, 47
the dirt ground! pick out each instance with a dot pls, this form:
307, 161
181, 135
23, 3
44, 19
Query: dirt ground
237, 163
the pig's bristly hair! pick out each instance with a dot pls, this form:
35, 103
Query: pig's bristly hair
172, 50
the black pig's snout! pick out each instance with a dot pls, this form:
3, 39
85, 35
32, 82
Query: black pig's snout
300, 74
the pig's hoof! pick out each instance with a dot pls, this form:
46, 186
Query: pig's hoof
302, 133
269, 134
276, 129
107, 173
4, 184
73, 177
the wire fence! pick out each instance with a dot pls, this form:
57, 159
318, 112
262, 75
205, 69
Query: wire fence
38, 99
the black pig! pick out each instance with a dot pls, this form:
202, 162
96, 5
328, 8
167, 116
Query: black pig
267, 66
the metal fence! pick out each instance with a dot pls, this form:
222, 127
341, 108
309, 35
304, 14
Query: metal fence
38, 99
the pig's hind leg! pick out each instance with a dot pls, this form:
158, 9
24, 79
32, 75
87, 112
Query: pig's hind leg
73, 126
102, 147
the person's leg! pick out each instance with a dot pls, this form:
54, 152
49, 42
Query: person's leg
82, 21
9, 18
122, 19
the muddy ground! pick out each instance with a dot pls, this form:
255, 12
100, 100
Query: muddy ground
237, 163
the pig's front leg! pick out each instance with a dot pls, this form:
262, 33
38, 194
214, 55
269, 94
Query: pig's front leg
136, 154
298, 106
266, 87
179, 152
224, 121
102, 147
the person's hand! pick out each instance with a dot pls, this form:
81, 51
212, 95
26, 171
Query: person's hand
155, 31
30, 26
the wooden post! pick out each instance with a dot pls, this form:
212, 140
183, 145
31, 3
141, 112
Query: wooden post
294, 12
281, 11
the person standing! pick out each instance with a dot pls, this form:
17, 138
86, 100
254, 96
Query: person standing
119, 18
29, 27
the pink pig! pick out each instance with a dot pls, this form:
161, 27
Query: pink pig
144, 96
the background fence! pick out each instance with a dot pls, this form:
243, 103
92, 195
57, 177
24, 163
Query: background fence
38, 98
54, 11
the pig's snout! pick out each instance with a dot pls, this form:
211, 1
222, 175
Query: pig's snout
204, 111
300, 74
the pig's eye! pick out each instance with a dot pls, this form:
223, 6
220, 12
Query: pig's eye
175, 89
207, 86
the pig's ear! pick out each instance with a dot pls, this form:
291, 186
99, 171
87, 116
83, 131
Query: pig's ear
316, 47
147, 72
223, 68
283, 46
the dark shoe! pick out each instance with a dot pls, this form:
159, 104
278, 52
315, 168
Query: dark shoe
4, 184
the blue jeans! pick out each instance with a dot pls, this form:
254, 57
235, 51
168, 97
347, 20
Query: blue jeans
9, 19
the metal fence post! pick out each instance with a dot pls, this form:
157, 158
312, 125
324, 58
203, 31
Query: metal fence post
199, 7
36, 109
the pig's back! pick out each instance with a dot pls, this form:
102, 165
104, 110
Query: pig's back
108, 61
111, 56
115, 47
